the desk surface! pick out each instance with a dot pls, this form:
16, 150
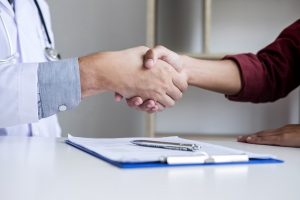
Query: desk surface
42, 169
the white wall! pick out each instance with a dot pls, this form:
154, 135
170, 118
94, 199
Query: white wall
81, 27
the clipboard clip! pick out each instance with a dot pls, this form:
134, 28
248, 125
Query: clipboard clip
203, 158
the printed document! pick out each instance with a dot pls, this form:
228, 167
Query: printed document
122, 150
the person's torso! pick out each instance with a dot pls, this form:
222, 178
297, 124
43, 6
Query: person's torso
28, 39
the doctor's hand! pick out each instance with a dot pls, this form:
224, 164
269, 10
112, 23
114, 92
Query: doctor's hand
158, 53
122, 72
288, 136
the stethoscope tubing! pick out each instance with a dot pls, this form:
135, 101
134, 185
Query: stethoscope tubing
43, 22
50, 53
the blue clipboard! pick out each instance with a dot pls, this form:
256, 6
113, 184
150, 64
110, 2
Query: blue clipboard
127, 165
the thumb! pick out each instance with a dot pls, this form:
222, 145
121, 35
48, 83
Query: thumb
149, 59
118, 97
162, 53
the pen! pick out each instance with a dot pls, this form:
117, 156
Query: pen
167, 145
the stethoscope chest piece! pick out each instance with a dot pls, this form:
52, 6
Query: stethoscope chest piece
52, 54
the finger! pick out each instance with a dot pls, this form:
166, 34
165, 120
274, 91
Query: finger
118, 97
269, 140
268, 132
166, 100
154, 108
158, 107
134, 101
168, 56
161, 52
139, 108
147, 105
180, 82
243, 138
174, 93
149, 59
151, 111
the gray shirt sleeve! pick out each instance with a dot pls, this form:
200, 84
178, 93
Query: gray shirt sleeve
58, 86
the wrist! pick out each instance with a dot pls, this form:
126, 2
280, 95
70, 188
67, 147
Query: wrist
94, 76
187, 69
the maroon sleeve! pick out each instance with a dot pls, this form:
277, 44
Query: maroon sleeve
273, 72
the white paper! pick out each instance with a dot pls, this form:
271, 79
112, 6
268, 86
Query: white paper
121, 150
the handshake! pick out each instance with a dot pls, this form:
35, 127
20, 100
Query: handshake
149, 79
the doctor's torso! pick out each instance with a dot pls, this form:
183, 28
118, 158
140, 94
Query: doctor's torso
27, 39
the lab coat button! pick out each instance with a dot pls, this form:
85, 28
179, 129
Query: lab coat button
62, 108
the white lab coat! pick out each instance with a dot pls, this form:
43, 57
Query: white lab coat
18, 82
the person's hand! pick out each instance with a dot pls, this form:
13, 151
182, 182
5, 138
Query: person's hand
288, 136
150, 60
122, 72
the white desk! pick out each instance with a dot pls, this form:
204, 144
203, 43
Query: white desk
42, 169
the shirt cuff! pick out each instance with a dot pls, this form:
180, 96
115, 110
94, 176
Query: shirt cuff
58, 86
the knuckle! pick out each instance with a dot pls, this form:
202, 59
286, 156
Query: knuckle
184, 87
178, 96
170, 104
159, 46
143, 107
143, 47
165, 86
156, 96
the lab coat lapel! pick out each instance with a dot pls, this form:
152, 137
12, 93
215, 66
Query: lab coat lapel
8, 7
30, 35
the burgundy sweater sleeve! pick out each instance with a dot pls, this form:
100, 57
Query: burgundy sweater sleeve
273, 72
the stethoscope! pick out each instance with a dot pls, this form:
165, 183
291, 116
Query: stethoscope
50, 53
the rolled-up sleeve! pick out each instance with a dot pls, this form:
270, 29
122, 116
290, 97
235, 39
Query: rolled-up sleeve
58, 86
273, 72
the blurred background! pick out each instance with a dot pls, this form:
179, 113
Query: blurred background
237, 26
